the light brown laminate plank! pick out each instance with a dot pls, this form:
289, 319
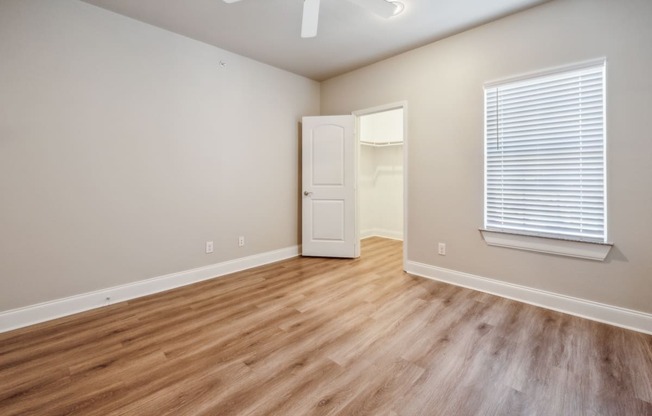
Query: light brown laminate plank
314, 336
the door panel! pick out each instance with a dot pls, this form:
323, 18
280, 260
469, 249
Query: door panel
328, 155
327, 220
329, 186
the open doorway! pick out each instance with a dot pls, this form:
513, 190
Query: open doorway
381, 133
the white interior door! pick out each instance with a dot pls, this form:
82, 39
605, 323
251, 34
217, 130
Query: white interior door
329, 187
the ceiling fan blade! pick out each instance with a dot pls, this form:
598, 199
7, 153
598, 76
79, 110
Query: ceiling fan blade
310, 18
382, 8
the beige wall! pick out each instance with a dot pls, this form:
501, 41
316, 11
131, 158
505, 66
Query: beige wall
442, 84
124, 148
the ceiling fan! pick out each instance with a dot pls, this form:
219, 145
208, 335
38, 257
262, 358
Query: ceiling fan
382, 8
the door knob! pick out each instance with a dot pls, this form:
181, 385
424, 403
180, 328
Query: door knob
306, 193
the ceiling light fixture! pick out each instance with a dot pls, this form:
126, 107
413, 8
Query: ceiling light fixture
399, 7
382, 8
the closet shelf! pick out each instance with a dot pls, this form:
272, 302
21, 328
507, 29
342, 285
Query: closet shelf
380, 144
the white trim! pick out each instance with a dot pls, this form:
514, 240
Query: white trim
548, 71
570, 248
380, 108
379, 232
391, 106
387, 144
406, 211
33, 314
613, 315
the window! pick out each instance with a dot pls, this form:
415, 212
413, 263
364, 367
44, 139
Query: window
545, 155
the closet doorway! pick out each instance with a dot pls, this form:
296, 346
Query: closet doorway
382, 158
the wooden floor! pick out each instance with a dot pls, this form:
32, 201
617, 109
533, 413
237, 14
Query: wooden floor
312, 336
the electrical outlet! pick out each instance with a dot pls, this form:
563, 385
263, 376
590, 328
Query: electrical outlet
209, 247
441, 249
241, 242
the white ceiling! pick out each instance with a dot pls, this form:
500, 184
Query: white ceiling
348, 37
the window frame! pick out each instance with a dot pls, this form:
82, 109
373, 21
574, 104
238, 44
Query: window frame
544, 242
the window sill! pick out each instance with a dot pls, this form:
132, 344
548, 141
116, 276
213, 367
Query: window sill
571, 248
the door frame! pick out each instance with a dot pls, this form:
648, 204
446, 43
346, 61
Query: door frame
377, 109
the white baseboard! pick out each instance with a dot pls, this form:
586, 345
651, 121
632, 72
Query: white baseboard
379, 232
613, 315
29, 315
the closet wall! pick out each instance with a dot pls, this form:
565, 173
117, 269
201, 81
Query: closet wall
381, 174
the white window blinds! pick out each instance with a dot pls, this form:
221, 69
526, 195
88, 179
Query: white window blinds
545, 155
